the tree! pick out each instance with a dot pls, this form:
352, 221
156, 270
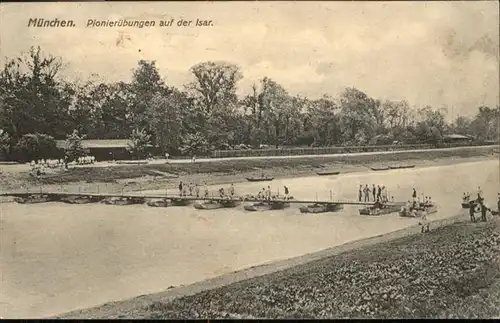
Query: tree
215, 84
323, 121
214, 91
461, 126
485, 125
194, 144
165, 113
431, 126
33, 98
358, 121
146, 83
5, 142
35, 147
74, 147
140, 140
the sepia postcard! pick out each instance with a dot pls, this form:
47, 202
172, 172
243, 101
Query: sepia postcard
249, 160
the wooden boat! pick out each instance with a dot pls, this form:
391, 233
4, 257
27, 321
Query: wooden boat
118, 201
158, 203
419, 211
210, 205
327, 173
401, 166
321, 208
267, 205
379, 168
77, 199
181, 202
259, 179
380, 209
32, 199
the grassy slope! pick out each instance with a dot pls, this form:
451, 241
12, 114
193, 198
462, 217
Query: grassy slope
452, 272
110, 174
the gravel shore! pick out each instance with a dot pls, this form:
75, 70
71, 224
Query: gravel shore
444, 274
451, 272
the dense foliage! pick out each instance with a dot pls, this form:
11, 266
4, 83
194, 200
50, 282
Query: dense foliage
207, 113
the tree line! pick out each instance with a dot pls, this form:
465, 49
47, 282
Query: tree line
37, 104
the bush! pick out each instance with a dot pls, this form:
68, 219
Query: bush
36, 146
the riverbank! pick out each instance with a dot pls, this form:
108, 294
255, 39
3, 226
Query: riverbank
451, 272
114, 179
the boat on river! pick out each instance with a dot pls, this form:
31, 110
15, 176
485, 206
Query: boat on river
379, 168
267, 205
321, 208
260, 178
181, 202
401, 166
420, 211
77, 199
326, 173
158, 203
216, 204
380, 209
32, 199
122, 201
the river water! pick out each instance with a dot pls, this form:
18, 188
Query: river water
56, 257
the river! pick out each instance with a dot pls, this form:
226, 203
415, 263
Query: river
56, 257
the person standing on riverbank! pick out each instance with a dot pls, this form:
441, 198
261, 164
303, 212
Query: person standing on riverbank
480, 195
483, 212
472, 210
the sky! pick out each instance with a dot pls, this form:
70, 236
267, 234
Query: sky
443, 54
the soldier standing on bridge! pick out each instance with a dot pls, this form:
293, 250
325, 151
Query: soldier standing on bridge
231, 190
286, 193
197, 190
379, 193
367, 193
180, 188
374, 192
206, 190
360, 192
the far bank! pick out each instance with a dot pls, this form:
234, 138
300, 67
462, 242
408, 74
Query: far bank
116, 178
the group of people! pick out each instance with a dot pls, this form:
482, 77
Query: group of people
379, 193
38, 166
479, 202
416, 204
85, 160
266, 194
192, 189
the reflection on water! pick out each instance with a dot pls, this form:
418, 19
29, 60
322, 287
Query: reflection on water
56, 257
